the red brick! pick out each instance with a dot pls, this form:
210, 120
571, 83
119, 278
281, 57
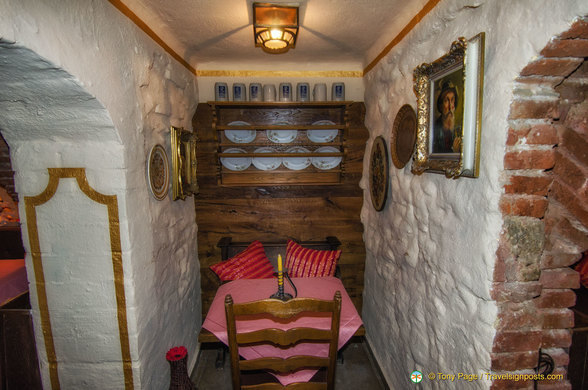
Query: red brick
566, 48
548, 385
571, 91
518, 316
529, 159
569, 171
531, 185
570, 200
523, 205
556, 338
557, 318
560, 278
515, 292
544, 81
517, 341
542, 135
552, 67
503, 384
561, 226
556, 299
557, 259
534, 109
579, 29
512, 361
574, 144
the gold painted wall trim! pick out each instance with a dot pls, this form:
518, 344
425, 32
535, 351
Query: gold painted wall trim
279, 73
147, 30
408, 28
55, 174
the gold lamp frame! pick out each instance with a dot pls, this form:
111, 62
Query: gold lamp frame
275, 27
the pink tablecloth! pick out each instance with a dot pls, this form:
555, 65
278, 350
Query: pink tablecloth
13, 279
246, 290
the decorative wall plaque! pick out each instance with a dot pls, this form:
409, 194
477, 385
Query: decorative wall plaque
379, 173
404, 132
158, 172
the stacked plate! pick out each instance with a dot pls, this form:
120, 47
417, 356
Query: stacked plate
240, 136
281, 136
296, 163
266, 163
327, 162
322, 136
236, 163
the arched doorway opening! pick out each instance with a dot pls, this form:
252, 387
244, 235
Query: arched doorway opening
545, 211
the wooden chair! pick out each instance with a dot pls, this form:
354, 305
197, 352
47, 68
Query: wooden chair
283, 310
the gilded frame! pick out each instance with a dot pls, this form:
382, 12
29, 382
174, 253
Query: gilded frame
184, 164
459, 74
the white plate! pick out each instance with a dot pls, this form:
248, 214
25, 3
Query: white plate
266, 163
281, 136
236, 163
322, 136
326, 162
240, 136
296, 163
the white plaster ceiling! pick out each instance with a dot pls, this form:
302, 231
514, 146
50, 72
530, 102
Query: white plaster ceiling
218, 34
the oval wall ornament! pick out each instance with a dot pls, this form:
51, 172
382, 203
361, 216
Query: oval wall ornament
404, 134
378, 179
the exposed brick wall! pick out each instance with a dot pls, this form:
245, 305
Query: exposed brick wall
545, 209
6, 173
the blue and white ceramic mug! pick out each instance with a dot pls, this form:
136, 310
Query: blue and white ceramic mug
221, 92
303, 92
255, 92
239, 92
285, 92
338, 92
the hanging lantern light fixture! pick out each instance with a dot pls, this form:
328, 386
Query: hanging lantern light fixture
275, 27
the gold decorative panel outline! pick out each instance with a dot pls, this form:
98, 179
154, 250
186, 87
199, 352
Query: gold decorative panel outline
111, 202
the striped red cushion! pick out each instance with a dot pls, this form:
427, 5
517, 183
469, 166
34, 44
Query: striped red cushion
303, 262
252, 263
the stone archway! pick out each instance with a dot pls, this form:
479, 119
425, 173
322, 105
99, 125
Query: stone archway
545, 211
63, 144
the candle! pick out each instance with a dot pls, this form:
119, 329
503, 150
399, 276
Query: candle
280, 272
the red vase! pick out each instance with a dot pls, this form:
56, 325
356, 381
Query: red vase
177, 358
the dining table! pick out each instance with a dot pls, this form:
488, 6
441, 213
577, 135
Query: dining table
248, 290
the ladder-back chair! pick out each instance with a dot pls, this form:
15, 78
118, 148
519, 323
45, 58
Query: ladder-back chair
283, 338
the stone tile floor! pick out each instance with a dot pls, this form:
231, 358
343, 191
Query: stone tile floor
356, 372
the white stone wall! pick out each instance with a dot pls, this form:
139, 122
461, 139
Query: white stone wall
431, 251
134, 92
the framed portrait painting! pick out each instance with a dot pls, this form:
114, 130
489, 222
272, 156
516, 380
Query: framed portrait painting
449, 106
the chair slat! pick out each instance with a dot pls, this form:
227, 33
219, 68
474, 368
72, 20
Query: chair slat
284, 337
284, 310
284, 365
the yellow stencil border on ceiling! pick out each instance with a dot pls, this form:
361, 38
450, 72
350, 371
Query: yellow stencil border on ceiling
111, 202
279, 73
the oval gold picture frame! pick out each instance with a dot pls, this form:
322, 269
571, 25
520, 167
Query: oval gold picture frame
404, 135
158, 172
379, 173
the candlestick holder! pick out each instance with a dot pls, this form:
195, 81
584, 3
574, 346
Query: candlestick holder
280, 294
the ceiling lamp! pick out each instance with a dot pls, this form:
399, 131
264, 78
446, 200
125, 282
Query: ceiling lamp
275, 27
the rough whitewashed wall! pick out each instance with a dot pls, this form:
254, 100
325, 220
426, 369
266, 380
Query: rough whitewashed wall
431, 251
133, 91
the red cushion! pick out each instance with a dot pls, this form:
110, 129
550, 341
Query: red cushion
252, 263
582, 268
303, 262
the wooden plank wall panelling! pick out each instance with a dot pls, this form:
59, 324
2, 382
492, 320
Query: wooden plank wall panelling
275, 213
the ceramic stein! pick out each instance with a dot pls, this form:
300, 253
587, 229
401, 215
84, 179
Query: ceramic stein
285, 92
269, 93
303, 92
338, 92
221, 92
319, 92
255, 92
239, 92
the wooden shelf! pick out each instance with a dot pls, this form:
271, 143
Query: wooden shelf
263, 116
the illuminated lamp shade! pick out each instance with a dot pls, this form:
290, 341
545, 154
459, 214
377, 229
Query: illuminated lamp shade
275, 27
